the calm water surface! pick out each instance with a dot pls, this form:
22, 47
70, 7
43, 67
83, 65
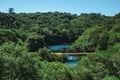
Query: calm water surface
73, 63
59, 47
72, 60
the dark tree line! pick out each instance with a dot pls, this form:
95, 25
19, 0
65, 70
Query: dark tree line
52, 27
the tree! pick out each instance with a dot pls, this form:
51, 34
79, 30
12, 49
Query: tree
18, 63
92, 39
54, 71
35, 42
44, 53
114, 35
11, 10
115, 60
91, 67
7, 35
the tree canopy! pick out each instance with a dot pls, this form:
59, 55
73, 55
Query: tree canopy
24, 38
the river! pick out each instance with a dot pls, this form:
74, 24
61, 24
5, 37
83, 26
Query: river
59, 47
72, 60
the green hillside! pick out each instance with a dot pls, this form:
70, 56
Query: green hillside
24, 38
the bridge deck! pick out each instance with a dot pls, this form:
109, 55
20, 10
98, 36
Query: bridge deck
74, 54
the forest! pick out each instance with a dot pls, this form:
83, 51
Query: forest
24, 38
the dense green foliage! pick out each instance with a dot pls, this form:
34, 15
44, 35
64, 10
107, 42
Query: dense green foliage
25, 36
98, 38
99, 66
17, 63
92, 39
47, 55
52, 27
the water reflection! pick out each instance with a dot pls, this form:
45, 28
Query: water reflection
72, 60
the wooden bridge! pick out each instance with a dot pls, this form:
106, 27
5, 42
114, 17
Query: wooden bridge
74, 54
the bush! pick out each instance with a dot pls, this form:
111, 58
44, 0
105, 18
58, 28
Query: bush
47, 55
35, 42
54, 71
7, 35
